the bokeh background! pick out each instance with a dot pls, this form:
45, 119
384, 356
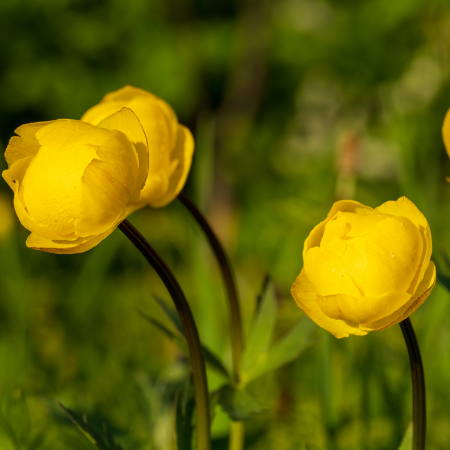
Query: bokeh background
293, 104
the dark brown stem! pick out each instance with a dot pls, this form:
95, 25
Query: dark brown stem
190, 330
418, 385
227, 275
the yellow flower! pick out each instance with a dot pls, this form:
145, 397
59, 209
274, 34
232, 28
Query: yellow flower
365, 269
170, 144
73, 181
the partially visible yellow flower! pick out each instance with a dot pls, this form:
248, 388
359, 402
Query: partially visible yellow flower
365, 269
6, 216
170, 144
73, 181
446, 134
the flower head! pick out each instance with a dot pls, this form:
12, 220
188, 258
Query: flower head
365, 269
73, 181
170, 144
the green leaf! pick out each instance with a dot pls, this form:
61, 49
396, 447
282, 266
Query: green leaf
183, 421
286, 349
171, 313
261, 331
90, 433
407, 438
176, 338
180, 341
238, 403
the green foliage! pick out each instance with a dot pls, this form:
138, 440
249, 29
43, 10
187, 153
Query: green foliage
179, 338
183, 421
260, 355
239, 403
293, 105
103, 441
407, 440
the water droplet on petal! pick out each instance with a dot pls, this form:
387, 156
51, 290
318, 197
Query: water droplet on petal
334, 270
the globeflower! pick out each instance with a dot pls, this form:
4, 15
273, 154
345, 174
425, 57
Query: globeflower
73, 181
365, 269
170, 144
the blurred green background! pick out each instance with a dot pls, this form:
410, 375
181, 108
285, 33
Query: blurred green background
293, 104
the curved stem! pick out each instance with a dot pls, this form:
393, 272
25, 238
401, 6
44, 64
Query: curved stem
190, 330
227, 275
418, 384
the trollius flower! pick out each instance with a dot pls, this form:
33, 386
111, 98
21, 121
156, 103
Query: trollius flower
365, 269
73, 181
170, 144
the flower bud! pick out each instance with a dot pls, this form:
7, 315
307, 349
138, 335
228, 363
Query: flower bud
170, 144
73, 181
365, 269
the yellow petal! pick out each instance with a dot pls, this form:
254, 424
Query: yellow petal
139, 99
314, 238
14, 176
52, 187
79, 245
446, 132
63, 134
170, 145
143, 103
423, 291
405, 208
362, 309
327, 273
181, 159
127, 122
107, 185
25, 144
305, 295
393, 252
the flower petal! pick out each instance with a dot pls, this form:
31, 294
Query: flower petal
405, 208
64, 134
127, 122
51, 187
305, 295
446, 132
314, 238
79, 245
362, 309
423, 291
393, 252
25, 144
181, 159
327, 273
107, 185
14, 176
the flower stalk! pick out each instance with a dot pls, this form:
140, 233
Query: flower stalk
227, 275
418, 385
236, 441
190, 330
